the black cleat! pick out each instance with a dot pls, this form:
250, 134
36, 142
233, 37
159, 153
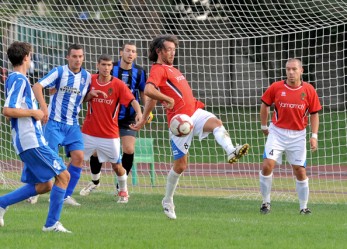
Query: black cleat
305, 211
265, 208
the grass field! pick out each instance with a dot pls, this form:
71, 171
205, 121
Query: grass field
201, 223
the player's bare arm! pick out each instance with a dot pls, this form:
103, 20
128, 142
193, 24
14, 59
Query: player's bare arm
153, 93
21, 113
38, 92
314, 129
149, 105
264, 114
137, 109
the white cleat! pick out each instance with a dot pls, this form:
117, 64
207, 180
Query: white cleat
239, 152
169, 210
123, 197
57, 227
2, 213
71, 201
90, 187
33, 199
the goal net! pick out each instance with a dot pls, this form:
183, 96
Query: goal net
230, 52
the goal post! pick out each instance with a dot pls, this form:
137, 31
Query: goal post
229, 53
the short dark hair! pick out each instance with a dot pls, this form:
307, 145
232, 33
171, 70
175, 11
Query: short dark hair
158, 44
127, 43
74, 46
104, 57
17, 51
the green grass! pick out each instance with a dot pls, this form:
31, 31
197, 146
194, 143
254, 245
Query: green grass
201, 223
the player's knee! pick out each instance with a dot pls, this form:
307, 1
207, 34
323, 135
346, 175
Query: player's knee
42, 188
267, 168
63, 178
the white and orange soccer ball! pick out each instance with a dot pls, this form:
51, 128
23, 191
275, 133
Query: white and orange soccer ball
181, 125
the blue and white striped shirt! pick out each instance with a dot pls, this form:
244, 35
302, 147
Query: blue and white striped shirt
66, 103
26, 131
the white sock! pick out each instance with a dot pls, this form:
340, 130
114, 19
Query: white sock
96, 177
122, 182
265, 186
171, 184
303, 192
223, 139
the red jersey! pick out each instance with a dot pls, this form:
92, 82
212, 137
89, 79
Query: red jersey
292, 105
172, 83
102, 114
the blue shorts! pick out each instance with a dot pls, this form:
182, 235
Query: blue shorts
40, 165
59, 134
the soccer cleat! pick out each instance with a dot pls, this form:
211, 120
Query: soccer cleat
123, 197
57, 227
71, 201
33, 199
305, 211
265, 208
169, 210
2, 213
90, 187
239, 151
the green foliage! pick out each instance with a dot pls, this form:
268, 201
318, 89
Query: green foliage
201, 223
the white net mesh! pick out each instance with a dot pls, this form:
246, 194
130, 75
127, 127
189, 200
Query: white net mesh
230, 51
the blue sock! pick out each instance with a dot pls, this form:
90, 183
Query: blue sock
18, 195
75, 174
55, 205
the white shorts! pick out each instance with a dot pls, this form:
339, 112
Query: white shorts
108, 149
292, 142
180, 145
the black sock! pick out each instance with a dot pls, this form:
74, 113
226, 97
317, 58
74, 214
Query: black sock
95, 167
127, 162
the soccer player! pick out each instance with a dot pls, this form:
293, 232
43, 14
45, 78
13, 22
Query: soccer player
100, 128
41, 163
294, 100
167, 85
70, 84
134, 78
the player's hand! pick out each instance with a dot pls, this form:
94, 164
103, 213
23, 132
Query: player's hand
265, 132
38, 114
44, 110
52, 91
95, 93
150, 118
169, 104
313, 144
138, 117
138, 125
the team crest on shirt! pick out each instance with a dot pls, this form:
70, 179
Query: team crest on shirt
109, 91
283, 94
303, 95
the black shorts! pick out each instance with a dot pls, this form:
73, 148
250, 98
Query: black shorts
124, 129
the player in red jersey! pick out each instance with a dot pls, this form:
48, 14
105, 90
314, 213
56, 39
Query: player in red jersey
100, 128
293, 101
167, 85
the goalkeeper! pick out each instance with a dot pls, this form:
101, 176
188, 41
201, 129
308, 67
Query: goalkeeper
170, 87
134, 77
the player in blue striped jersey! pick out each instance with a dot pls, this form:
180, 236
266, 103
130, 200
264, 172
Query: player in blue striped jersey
70, 84
41, 163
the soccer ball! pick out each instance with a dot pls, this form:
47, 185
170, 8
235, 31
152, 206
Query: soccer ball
181, 125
